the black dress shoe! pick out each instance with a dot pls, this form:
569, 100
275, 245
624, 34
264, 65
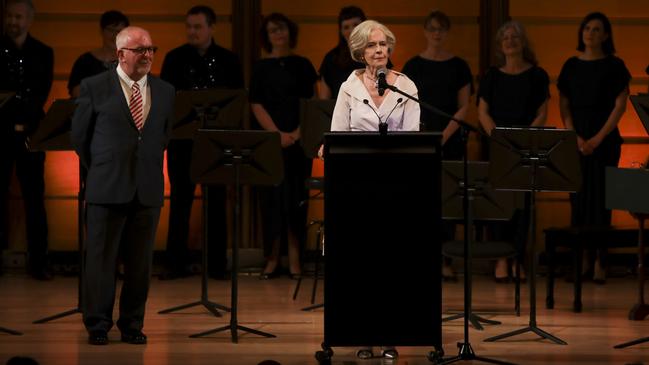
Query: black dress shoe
134, 337
270, 275
99, 338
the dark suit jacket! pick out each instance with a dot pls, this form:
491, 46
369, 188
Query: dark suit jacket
121, 161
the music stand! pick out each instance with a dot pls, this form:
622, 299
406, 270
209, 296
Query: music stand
315, 121
53, 134
485, 204
626, 190
236, 158
534, 159
206, 108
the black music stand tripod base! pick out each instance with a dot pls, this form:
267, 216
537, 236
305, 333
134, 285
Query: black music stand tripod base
236, 158
204, 301
313, 307
531, 328
234, 329
11, 332
57, 316
466, 354
631, 343
474, 319
210, 306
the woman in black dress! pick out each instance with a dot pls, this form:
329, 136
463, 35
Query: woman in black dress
513, 93
100, 59
443, 81
278, 82
594, 87
337, 64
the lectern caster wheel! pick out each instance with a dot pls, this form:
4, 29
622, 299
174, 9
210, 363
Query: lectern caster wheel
323, 357
327, 350
435, 356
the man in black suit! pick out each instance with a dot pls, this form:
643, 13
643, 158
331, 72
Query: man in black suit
198, 64
120, 130
26, 68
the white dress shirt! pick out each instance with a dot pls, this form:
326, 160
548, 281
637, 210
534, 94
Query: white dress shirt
127, 88
353, 114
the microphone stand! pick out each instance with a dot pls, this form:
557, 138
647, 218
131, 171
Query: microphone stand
466, 352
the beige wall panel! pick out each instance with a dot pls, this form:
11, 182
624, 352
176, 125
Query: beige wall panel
579, 8
129, 7
372, 8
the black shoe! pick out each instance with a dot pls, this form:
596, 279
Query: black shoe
98, 337
42, 274
270, 275
389, 353
134, 337
364, 353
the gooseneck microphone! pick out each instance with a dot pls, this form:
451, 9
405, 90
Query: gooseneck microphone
380, 78
383, 126
367, 102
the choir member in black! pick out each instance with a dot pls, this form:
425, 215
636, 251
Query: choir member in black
99, 59
278, 82
513, 93
444, 81
594, 87
198, 64
337, 64
26, 68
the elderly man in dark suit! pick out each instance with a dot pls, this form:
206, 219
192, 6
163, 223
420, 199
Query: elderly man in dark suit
120, 129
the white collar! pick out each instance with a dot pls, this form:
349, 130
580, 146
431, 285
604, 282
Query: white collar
128, 81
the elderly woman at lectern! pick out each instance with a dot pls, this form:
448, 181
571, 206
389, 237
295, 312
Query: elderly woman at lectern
360, 106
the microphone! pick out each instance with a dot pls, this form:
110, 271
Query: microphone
367, 102
395, 106
380, 78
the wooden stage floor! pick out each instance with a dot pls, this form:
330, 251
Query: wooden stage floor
267, 306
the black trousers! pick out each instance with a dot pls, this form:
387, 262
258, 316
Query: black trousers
127, 229
29, 167
179, 156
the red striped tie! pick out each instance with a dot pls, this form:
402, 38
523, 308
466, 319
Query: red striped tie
135, 104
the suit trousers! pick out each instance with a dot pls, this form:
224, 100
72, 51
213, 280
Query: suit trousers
29, 167
128, 230
182, 188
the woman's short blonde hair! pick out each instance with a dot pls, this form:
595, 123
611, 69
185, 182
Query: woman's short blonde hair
360, 37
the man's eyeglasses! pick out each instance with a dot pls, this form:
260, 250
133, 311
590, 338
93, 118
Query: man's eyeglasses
143, 50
